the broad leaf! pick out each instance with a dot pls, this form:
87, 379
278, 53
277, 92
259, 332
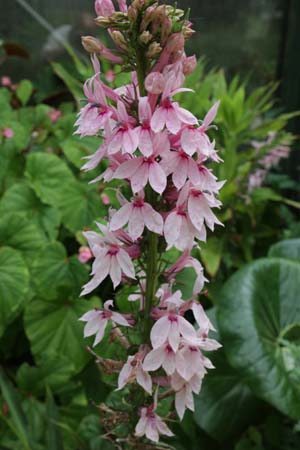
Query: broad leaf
53, 270
14, 283
259, 320
20, 233
53, 371
52, 326
289, 249
21, 198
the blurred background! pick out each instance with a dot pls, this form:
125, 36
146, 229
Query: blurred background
50, 387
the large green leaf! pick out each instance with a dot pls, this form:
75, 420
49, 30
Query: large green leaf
52, 326
225, 405
53, 270
21, 198
259, 320
289, 249
53, 371
14, 282
20, 233
48, 175
55, 184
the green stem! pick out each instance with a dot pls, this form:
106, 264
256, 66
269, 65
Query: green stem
152, 238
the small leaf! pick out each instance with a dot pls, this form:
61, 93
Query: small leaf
24, 91
289, 249
14, 284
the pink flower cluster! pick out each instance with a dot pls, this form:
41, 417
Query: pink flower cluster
159, 150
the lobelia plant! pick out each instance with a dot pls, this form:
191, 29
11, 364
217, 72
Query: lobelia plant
158, 151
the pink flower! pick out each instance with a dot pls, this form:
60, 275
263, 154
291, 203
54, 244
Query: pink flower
165, 357
151, 425
110, 259
6, 81
55, 115
140, 170
171, 326
124, 136
184, 392
181, 166
85, 255
96, 114
104, 8
195, 139
170, 114
138, 214
199, 208
97, 320
133, 370
105, 199
155, 83
8, 133
145, 134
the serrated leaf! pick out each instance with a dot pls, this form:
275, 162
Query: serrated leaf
21, 198
259, 320
54, 326
14, 284
53, 270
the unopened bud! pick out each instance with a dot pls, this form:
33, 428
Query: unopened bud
119, 40
148, 17
166, 29
154, 50
91, 44
104, 8
175, 43
189, 65
187, 32
132, 13
160, 13
145, 37
118, 21
122, 5
155, 83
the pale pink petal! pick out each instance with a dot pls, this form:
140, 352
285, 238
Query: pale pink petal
153, 220
169, 363
184, 115
115, 271
210, 116
136, 223
154, 359
140, 178
119, 319
172, 228
140, 428
159, 119
160, 331
100, 333
122, 113
115, 144
127, 169
90, 315
157, 178
186, 329
125, 373
121, 217
163, 428
180, 174
144, 379
180, 403
93, 326
145, 143
151, 431
173, 122
101, 274
125, 263
196, 212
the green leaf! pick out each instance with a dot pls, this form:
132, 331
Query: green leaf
55, 184
48, 175
259, 320
20, 233
17, 421
14, 283
225, 405
52, 326
24, 91
53, 436
211, 254
53, 371
289, 249
74, 86
53, 270
74, 152
21, 198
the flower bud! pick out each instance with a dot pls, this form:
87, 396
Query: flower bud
91, 44
104, 8
154, 50
6, 81
85, 254
166, 29
175, 43
122, 5
119, 40
145, 37
118, 21
189, 65
148, 17
8, 133
155, 83
160, 13
132, 13
187, 31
